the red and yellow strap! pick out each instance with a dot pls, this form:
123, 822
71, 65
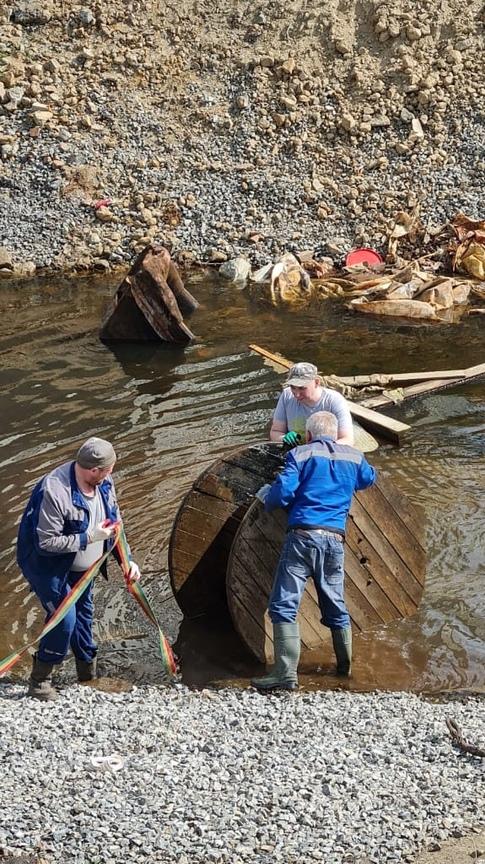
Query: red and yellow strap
74, 594
139, 595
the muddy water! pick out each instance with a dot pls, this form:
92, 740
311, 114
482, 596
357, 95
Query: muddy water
172, 412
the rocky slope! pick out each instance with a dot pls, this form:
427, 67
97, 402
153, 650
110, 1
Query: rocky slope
233, 126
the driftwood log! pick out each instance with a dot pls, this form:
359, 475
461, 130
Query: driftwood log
150, 302
457, 738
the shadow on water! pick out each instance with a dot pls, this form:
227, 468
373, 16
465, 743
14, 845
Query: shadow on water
172, 412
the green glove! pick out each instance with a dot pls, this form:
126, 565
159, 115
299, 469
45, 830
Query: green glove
291, 438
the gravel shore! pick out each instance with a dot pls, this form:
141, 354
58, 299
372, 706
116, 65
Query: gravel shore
219, 130
234, 776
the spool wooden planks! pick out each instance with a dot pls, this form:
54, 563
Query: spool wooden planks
207, 521
385, 564
224, 548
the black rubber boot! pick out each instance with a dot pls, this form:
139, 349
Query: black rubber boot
342, 645
86, 670
40, 682
284, 673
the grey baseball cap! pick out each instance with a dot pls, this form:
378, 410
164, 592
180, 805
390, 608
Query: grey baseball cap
96, 453
301, 374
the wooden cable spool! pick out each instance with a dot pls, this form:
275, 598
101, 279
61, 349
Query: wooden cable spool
221, 527
207, 521
385, 563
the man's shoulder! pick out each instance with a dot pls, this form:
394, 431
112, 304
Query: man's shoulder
328, 449
333, 397
59, 479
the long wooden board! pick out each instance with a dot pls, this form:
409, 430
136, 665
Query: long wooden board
473, 373
385, 563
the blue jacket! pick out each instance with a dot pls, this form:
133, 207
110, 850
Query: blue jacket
54, 525
318, 482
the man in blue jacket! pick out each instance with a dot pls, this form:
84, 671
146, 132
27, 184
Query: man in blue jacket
62, 532
316, 488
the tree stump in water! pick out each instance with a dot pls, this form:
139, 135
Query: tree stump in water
385, 564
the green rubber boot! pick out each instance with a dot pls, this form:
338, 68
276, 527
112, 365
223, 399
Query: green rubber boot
40, 682
284, 673
86, 671
342, 645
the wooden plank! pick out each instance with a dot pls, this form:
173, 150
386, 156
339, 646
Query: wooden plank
208, 525
208, 505
395, 530
475, 372
400, 377
255, 599
384, 549
426, 382
379, 586
378, 570
363, 616
385, 426
411, 514
240, 491
204, 526
207, 520
369, 587
261, 561
436, 385
252, 633
262, 461
363, 380
275, 359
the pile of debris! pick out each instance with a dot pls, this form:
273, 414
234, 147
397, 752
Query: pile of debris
433, 274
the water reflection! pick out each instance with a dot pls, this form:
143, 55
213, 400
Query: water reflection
172, 412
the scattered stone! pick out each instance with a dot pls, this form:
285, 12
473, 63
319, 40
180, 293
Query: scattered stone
418, 130
413, 33
347, 122
40, 118
236, 270
258, 134
228, 788
104, 214
29, 12
6, 258
289, 66
215, 255
406, 115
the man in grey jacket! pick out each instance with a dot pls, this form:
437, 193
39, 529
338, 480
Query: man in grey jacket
67, 526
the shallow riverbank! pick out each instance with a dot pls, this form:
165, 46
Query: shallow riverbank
234, 776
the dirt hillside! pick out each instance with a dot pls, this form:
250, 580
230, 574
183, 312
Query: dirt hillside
227, 127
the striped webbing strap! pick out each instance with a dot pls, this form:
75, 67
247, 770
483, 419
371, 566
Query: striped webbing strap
78, 589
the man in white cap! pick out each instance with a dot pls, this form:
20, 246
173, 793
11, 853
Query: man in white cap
303, 395
65, 528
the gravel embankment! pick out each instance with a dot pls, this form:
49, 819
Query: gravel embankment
220, 131
234, 776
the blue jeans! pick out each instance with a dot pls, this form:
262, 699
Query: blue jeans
317, 555
75, 630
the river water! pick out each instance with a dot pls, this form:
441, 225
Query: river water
171, 412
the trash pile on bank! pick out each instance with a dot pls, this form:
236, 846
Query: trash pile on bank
434, 274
